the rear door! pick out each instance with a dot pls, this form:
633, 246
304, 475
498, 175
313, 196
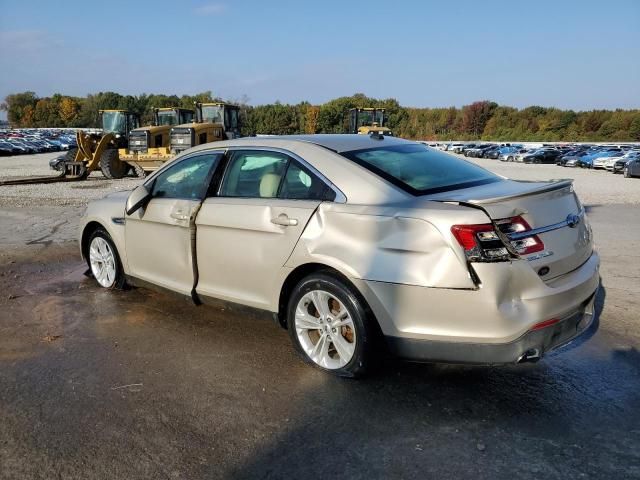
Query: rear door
246, 234
159, 237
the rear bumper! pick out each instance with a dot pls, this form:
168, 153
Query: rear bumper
529, 347
489, 325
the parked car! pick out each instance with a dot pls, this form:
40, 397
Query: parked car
632, 168
571, 154
492, 153
618, 166
511, 154
600, 160
350, 241
543, 155
611, 161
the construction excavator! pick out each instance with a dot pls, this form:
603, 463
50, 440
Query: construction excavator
366, 121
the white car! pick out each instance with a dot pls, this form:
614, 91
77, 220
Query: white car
611, 161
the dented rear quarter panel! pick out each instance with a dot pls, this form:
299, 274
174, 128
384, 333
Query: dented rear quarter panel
408, 243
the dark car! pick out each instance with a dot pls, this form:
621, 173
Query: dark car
542, 156
492, 153
571, 154
632, 168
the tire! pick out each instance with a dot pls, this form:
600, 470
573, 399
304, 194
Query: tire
358, 337
138, 170
104, 261
111, 165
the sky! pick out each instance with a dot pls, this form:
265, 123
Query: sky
581, 55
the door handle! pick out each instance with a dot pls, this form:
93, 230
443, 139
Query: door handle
179, 215
284, 220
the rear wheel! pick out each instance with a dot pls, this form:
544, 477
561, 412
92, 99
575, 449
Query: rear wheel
329, 326
111, 165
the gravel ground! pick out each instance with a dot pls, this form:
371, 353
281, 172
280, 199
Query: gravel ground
595, 187
53, 194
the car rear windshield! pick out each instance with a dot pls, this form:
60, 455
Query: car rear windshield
420, 170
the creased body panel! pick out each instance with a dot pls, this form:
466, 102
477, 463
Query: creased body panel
391, 244
511, 301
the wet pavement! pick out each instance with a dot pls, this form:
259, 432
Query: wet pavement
138, 384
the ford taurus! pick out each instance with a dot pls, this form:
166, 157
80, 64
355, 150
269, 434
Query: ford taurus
358, 245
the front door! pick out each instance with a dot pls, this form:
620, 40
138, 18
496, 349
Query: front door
159, 237
246, 234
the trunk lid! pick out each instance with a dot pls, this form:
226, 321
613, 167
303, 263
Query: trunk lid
551, 209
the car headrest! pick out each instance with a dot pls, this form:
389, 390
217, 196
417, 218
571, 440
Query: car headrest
269, 185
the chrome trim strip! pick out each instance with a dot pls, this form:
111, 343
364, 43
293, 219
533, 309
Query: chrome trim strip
548, 228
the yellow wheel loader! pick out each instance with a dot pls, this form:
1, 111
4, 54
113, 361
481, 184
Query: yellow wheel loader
100, 150
214, 121
149, 147
366, 121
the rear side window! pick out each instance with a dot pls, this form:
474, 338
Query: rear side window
254, 174
420, 170
300, 184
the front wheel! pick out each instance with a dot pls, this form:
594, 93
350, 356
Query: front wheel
111, 165
104, 261
329, 326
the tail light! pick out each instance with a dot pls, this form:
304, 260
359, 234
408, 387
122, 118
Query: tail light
524, 245
482, 243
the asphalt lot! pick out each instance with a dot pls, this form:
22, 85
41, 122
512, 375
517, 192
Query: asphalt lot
137, 384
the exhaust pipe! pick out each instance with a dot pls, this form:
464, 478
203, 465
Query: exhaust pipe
530, 356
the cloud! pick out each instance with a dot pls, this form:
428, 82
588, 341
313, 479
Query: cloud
211, 9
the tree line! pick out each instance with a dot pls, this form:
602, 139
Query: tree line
482, 119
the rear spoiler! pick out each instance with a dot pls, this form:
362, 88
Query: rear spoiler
550, 186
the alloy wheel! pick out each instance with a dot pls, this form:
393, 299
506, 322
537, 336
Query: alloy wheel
325, 329
102, 261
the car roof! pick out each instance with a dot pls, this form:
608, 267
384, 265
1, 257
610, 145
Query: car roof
336, 142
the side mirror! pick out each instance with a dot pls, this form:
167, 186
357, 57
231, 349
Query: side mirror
138, 199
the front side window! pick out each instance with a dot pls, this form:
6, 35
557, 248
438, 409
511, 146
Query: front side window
254, 174
420, 170
188, 179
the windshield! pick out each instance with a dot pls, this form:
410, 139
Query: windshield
168, 117
420, 170
212, 113
114, 122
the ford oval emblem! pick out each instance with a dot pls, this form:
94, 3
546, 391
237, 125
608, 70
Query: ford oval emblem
573, 220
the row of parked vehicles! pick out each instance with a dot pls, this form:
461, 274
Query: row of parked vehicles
35, 140
616, 158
